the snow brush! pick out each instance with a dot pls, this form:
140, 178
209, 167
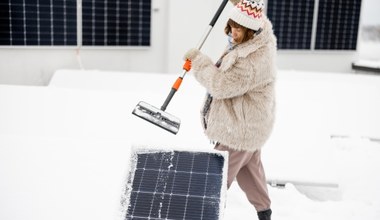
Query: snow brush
158, 116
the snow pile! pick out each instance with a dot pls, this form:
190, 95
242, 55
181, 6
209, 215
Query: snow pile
65, 148
369, 64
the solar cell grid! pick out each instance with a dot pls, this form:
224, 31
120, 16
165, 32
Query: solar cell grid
54, 22
338, 24
176, 185
116, 22
38, 22
292, 22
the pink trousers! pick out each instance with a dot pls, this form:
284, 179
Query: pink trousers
248, 170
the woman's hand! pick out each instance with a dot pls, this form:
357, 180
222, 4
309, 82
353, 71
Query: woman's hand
191, 54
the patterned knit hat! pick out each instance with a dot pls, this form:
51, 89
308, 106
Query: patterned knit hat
248, 13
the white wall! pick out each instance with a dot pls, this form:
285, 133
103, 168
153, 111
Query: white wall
35, 66
328, 61
187, 25
371, 14
370, 50
177, 25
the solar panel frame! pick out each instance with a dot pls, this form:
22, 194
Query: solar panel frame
177, 189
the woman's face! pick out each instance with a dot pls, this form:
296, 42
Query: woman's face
237, 34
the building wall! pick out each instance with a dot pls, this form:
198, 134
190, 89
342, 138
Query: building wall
35, 66
188, 25
177, 25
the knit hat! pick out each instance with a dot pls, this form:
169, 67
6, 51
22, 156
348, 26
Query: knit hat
248, 13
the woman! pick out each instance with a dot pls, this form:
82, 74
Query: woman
238, 113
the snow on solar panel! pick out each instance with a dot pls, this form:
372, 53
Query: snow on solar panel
176, 185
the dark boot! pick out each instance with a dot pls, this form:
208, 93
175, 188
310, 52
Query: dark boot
265, 215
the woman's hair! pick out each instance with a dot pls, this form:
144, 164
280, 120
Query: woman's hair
248, 33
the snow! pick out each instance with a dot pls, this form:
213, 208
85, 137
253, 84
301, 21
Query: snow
65, 149
143, 150
369, 63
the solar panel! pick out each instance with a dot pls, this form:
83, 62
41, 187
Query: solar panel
116, 22
38, 22
338, 24
176, 185
292, 22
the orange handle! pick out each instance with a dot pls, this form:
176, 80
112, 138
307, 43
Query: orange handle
187, 65
177, 83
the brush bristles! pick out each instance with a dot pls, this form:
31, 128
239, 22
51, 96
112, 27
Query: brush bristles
157, 117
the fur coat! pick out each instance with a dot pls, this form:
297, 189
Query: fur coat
241, 115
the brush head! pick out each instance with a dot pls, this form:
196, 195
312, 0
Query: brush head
157, 117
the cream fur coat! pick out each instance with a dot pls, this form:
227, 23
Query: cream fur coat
241, 115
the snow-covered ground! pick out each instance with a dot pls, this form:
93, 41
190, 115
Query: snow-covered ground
64, 148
